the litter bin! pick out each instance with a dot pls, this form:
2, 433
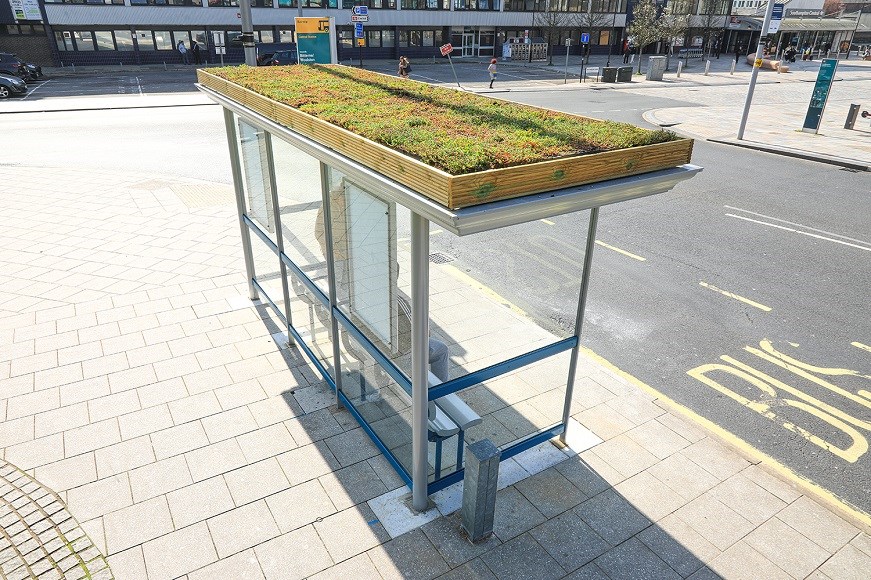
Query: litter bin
609, 74
655, 68
624, 74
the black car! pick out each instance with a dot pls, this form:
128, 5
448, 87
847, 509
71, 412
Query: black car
11, 64
33, 70
282, 57
11, 85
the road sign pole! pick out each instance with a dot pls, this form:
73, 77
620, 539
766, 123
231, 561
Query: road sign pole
757, 62
453, 69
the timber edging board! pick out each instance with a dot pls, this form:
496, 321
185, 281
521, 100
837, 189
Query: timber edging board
458, 191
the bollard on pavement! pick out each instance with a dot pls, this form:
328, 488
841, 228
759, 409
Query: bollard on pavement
707, 67
479, 489
852, 116
732, 70
679, 68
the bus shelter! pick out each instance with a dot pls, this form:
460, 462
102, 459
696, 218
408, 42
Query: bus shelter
342, 256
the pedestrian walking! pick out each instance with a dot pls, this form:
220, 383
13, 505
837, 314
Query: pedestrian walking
626, 50
738, 51
182, 49
195, 49
492, 70
404, 67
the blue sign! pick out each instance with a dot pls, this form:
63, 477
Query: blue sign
820, 95
358, 30
585, 38
777, 11
361, 10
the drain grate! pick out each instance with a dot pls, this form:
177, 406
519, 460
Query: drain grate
440, 258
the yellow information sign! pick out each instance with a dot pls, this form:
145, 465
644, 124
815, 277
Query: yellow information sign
308, 25
757, 63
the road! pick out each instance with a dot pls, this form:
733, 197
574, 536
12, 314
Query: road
742, 294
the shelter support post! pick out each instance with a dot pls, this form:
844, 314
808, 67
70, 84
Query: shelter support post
419, 359
273, 187
579, 320
331, 277
236, 169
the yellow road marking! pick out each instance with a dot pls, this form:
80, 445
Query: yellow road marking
548, 222
624, 252
736, 297
862, 346
755, 455
805, 484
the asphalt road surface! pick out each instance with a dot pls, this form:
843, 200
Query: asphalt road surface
742, 294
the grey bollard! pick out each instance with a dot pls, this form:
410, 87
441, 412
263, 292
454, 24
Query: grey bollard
479, 489
852, 115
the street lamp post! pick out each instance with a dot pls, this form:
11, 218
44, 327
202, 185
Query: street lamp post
610, 39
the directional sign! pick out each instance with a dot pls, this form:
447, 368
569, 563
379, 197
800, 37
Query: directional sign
776, 17
446, 49
361, 10
358, 30
825, 76
359, 18
585, 38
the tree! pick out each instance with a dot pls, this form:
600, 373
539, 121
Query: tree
551, 23
645, 26
711, 23
594, 22
673, 24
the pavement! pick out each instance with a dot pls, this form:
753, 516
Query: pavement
153, 417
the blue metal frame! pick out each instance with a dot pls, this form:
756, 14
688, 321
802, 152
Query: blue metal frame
502, 368
375, 439
507, 453
387, 364
261, 234
269, 301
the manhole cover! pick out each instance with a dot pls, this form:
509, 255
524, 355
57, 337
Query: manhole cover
440, 258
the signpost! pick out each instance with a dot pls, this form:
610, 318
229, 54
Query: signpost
315, 41
820, 95
359, 15
568, 43
220, 47
446, 50
776, 17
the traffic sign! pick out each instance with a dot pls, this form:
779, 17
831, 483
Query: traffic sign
361, 10
585, 38
358, 30
359, 18
446, 49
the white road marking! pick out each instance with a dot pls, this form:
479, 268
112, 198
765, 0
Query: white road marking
798, 225
867, 249
736, 297
42, 84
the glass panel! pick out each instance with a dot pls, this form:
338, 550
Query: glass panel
182, 35
383, 404
104, 40
145, 40
266, 35
364, 250
387, 38
163, 40
267, 271
311, 319
84, 40
298, 182
255, 176
124, 40
285, 35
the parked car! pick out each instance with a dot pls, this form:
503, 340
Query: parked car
33, 70
282, 57
11, 85
11, 64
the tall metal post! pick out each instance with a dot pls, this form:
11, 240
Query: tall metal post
419, 359
248, 33
579, 320
236, 169
762, 34
331, 276
279, 237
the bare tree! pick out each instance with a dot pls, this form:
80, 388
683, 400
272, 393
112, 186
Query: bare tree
594, 21
710, 21
645, 26
673, 24
551, 23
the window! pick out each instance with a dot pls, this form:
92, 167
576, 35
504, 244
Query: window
387, 39
346, 38
124, 40
373, 38
64, 40
163, 40
145, 40
84, 40
181, 35
267, 36
285, 36
104, 40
